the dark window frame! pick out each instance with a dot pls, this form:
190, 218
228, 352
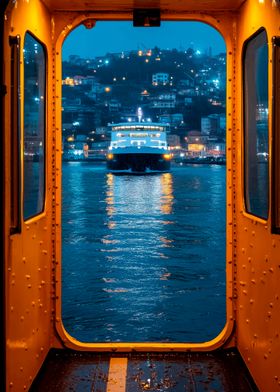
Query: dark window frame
44, 49
15, 148
275, 136
246, 189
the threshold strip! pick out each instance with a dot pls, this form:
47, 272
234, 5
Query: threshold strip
117, 375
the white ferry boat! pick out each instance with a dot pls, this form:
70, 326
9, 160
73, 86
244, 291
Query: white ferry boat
138, 147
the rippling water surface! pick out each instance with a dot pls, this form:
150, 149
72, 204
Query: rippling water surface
143, 256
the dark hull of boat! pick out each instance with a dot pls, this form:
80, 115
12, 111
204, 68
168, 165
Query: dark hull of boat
138, 163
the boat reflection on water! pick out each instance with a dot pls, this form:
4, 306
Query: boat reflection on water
129, 194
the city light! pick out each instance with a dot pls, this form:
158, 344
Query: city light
167, 97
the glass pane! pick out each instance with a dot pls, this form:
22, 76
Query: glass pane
34, 126
151, 245
256, 125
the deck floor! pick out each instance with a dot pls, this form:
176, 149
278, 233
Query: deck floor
221, 371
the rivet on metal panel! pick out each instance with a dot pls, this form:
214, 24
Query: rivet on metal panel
253, 281
243, 250
264, 272
24, 259
12, 308
21, 368
244, 266
27, 276
33, 303
249, 260
255, 336
271, 270
265, 356
34, 236
11, 385
251, 301
21, 318
253, 233
247, 321
29, 286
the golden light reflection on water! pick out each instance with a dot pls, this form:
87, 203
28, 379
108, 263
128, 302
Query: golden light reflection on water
110, 195
166, 193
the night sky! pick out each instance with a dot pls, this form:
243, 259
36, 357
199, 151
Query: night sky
114, 37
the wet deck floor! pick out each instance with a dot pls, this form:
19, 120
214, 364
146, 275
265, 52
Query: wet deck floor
221, 371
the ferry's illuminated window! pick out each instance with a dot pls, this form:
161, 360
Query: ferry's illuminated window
34, 126
256, 125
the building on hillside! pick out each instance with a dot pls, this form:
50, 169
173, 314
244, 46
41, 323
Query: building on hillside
160, 78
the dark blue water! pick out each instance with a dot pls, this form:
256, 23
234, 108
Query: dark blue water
143, 256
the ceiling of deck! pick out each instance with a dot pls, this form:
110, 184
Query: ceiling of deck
128, 5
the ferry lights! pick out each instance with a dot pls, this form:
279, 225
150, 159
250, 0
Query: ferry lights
110, 157
167, 157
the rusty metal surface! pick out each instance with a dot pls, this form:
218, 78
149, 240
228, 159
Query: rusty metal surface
68, 371
220, 371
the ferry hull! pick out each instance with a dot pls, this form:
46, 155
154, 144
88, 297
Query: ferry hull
138, 163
